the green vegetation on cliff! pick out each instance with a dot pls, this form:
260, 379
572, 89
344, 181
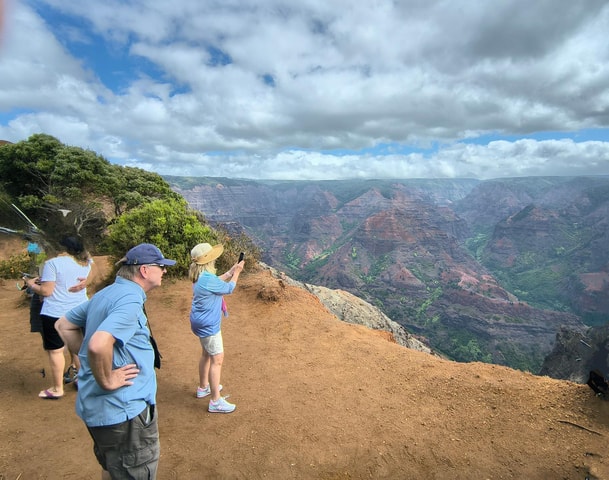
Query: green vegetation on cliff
67, 190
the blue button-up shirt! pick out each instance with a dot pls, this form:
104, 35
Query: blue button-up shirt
119, 310
206, 309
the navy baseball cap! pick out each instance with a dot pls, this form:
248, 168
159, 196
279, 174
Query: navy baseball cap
146, 253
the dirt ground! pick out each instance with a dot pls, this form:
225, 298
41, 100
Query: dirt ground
316, 399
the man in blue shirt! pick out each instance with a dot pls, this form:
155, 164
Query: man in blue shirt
116, 381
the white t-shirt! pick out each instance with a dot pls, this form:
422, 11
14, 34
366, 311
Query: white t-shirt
65, 272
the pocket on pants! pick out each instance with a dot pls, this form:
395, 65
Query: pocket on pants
141, 459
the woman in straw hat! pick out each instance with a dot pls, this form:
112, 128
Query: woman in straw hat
206, 312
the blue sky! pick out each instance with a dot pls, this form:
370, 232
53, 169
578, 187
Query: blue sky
314, 90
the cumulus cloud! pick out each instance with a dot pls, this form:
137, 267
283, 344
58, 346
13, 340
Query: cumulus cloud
314, 90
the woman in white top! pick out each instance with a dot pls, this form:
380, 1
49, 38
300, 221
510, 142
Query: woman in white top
60, 285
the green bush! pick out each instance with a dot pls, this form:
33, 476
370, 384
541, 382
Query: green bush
13, 267
168, 224
113, 208
175, 229
233, 246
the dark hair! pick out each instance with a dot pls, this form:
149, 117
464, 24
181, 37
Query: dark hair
75, 247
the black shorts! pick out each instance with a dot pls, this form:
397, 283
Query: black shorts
131, 449
35, 307
50, 338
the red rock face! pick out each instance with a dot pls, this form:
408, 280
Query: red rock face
594, 297
401, 246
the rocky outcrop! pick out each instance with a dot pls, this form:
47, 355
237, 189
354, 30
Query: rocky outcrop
352, 309
576, 353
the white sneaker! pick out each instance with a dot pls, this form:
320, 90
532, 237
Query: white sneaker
221, 406
204, 392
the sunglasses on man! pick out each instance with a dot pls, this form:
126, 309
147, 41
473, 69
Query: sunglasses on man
162, 267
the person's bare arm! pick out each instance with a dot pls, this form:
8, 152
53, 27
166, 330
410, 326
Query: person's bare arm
233, 274
100, 352
44, 289
81, 285
71, 334
237, 269
226, 276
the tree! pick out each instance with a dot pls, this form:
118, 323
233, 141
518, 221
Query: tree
130, 187
67, 189
26, 167
169, 224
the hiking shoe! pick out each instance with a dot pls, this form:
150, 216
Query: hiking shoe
70, 375
203, 392
221, 406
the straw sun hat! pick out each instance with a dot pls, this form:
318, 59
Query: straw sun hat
204, 253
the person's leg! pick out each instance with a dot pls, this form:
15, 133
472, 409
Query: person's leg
58, 362
215, 370
70, 375
75, 361
214, 350
54, 346
217, 404
214, 353
129, 450
204, 363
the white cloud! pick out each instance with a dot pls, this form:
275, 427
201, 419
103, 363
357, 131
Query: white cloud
276, 85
